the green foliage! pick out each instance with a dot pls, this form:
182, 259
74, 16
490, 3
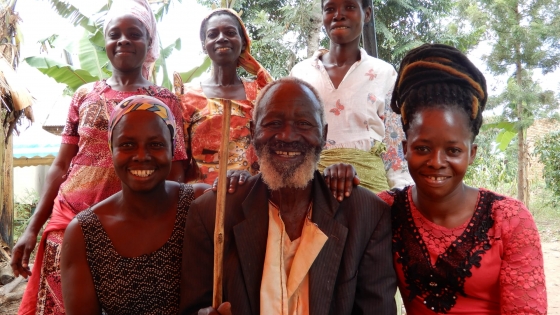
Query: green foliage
548, 151
61, 72
24, 207
94, 64
196, 71
400, 25
492, 168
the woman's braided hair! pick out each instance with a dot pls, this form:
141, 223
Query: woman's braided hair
439, 76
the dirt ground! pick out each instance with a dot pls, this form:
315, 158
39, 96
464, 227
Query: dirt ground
551, 251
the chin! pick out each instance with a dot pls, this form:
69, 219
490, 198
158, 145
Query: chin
285, 175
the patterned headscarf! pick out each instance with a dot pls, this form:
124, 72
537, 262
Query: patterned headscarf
141, 10
245, 60
146, 103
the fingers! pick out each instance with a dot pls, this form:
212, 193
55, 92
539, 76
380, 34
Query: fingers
20, 262
225, 309
234, 178
341, 179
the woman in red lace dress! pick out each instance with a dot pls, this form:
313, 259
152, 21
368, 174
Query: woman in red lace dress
457, 249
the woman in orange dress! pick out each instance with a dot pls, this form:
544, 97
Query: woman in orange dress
225, 40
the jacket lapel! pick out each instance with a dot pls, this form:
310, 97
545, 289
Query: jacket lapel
324, 271
250, 238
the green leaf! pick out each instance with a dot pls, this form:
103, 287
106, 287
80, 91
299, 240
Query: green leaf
72, 13
98, 39
196, 71
160, 62
504, 138
92, 59
60, 72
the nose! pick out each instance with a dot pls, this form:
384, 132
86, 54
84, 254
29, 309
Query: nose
288, 134
437, 160
123, 40
142, 154
338, 14
221, 37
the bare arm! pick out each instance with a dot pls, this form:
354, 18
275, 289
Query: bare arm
55, 177
78, 291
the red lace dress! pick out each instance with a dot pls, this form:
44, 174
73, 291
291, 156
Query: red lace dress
492, 264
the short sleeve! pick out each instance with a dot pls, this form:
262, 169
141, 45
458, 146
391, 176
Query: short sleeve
387, 197
522, 280
70, 134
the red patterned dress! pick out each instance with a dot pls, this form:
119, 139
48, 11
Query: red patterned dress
90, 179
202, 129
491, 264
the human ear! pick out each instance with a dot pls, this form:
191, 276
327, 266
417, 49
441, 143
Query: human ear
325, 132
204, 48
367, 13
472, 154
404, 147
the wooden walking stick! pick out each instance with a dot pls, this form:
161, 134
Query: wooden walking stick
220, 207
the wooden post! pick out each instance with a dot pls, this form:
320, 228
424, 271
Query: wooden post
369, 39
7, 190
220, 207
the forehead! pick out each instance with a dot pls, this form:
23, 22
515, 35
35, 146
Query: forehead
223, 19
335, 2
141, 123
125, 20
440, 121
290, 98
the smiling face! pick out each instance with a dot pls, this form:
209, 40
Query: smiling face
344, 20
142, 151
126, 43
223, 41
438, 150
288, 135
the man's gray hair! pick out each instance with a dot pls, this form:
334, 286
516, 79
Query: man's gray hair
294, 80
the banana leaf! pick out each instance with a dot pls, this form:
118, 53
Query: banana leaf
62, 73
93, 59
196, 71
160, 63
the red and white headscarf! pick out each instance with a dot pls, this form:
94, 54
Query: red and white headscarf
141, 10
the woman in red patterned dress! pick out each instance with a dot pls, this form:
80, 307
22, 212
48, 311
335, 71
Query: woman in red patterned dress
82, 174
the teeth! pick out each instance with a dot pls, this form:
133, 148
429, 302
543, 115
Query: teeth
141, 173
285, 153
223, 49
436, 178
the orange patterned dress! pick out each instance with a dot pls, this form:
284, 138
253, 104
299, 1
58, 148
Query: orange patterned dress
202, 129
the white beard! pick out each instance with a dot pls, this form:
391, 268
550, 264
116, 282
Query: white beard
287, 175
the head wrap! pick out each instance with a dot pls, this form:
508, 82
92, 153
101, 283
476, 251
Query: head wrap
245, 60
146, 103
141, 10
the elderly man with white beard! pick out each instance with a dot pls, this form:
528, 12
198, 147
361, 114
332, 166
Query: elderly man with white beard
290, 247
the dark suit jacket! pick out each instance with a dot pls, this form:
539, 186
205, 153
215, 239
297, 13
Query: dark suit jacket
353, 273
